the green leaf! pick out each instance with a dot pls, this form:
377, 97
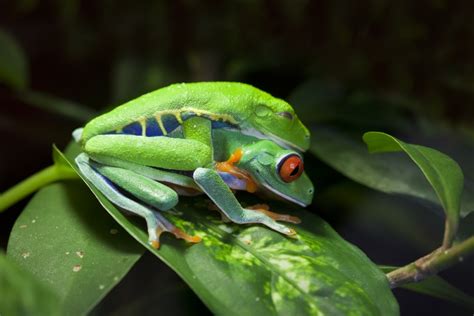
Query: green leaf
22, 294
13, 63
442, 172
65, 239
438, 287
252, 270
392, 173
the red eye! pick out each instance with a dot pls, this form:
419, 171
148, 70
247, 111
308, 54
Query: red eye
291, 168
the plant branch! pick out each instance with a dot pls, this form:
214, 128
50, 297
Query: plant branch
438, 260
31, 184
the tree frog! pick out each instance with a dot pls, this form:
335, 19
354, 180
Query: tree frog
245, 163
172, 129
230, 105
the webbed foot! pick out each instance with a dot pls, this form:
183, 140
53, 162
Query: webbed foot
161, 226
265, 209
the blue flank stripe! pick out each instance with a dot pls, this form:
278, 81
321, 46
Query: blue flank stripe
170, 123
152, 128
132, 129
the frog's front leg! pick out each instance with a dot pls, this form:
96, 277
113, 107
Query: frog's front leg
265, 209
145, 189
212, 184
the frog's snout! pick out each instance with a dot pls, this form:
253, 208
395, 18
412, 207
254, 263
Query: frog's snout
308, 196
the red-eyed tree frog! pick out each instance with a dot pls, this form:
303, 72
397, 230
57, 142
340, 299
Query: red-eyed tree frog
202, 137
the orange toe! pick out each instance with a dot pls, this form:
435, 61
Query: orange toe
181, 234
155, 244
265, 209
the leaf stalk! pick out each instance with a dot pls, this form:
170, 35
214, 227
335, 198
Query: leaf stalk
33, 183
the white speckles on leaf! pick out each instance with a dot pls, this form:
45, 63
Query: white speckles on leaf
80, 254
76, 268
101, 287
23, 226
25, 255
33, 221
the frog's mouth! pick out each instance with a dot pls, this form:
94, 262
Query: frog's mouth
281, 142
267, 186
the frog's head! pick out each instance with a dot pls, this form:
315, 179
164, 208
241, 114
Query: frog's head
260, 114
278, 170
277, 121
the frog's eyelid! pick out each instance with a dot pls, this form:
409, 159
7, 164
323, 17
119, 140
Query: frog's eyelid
285, 114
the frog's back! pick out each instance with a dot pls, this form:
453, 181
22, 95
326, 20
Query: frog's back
159, 112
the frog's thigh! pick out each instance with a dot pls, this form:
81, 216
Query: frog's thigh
162, 152
150, 172
213, 185
149, 191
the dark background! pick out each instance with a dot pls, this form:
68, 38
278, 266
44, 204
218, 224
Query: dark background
102, 53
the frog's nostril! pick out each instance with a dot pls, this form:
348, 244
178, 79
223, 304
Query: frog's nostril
310, 191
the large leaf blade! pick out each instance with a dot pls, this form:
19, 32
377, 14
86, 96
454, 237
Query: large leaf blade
65, 240
237, 270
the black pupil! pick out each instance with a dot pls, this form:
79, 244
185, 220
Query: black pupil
294, 172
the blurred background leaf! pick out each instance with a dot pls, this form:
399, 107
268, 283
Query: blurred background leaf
13, 62
58, 106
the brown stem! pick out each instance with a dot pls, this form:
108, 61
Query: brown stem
438, 260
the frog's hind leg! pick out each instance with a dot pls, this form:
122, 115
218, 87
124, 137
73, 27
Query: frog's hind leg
156, 223
213, 185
